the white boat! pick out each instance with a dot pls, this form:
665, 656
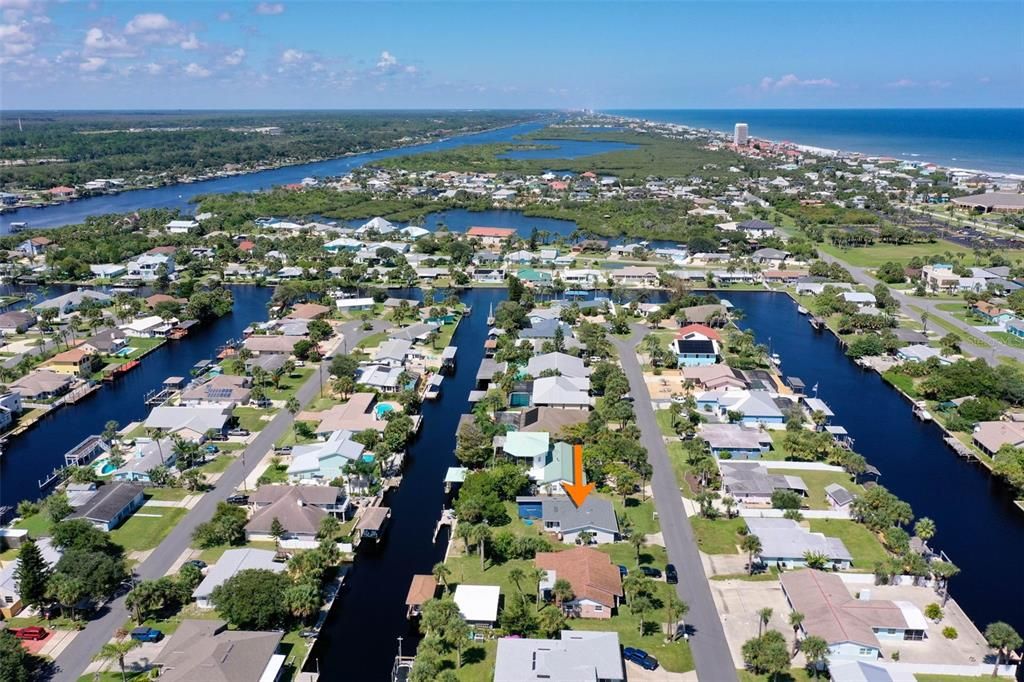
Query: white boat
921, 413
776, 360
802, 310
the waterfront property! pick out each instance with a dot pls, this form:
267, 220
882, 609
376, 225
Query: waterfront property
596, 517
298, 509
596, 582
108, 506
735, 441
754, 407
751, 484
324, 460
10, 595
785, 544
208, 650
478, 604
228, 565
577, 655
852, 627
144, 456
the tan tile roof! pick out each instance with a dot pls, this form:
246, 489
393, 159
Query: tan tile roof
589, 571
356, 415
422, 589
832, 613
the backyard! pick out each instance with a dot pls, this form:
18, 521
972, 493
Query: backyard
864, 547
816, 482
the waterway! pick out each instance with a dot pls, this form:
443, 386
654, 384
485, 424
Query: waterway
978, 525
179, 196
35, 453
359, 639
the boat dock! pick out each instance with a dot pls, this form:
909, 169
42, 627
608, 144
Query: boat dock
120, 371
959, 448
170, 386
448, 359
433, 388
447, 519
83, 453
79, 393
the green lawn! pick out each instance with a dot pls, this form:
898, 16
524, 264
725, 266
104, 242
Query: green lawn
641, 514
877, 254
664, 419
251, 418
166, 494
37, 525
289, 384
217, 465
445, 333
677, 458
901, 381
140, 533
275, 473
816, 482
289, 437
865, 548
794, 675
718, 536
373, 340
1008, 339
949, 327
295, 649
212, 554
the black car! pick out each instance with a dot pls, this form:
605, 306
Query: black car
623, 571
237, 499
671, 576
198, 563
650, 571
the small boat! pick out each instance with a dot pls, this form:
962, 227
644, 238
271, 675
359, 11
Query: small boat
802, 310
776, 360
922, 413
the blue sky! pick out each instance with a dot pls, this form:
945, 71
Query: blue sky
602, 55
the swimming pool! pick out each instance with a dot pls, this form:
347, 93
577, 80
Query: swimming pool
107, 469
382, 409
124, 352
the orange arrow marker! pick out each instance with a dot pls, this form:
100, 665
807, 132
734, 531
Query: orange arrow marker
576, 490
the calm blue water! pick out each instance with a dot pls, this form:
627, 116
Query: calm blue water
972, 511
981, 139
568, 149
32, 455
178, 196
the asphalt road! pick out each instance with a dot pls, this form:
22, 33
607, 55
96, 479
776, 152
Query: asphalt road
991, 354
71, 662
708, 642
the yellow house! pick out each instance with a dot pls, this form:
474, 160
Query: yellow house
77, 361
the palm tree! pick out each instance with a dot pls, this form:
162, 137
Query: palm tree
479, 535
924, 529
116, 651
751, 545
1004, 639
943, 571
551, 622
637, 541
517, 575
729, 502
796, 619
763, 615
816, 652
292, 405
562, 592
442, 573
675, 608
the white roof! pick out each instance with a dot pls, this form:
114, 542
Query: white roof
233, 561
9, 584
353, 302
478, 603
144, 323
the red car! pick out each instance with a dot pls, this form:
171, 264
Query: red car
31, 632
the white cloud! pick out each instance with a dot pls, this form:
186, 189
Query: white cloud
387, 60
148, 23
939, 84
194, 70
769, 84
235, 58
92, 64
292, 56
154, 69
902, 83
16, 39
224, 16
99, 41
190, 43
270, 8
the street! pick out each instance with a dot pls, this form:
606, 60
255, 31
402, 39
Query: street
710, 648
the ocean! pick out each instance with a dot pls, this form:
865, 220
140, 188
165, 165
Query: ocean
979, 139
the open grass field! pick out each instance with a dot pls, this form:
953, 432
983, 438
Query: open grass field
1008, 339
862, 543
289, 384
141, 533
816, 482
252, 418
717, 536
876, 254
37, 525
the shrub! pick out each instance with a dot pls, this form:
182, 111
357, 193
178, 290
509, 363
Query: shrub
949, 632
933, 611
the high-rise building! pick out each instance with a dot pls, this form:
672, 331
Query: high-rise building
739, 134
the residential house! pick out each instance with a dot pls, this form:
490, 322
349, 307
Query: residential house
108, 270
420, 332
785, 544
144, 456
351, 305
478, 604
189, 422
853, 628
754, 407
72, 301
79, 362
149, 327
992, 314
16, 322
559, 515
756, 229
696, 345
702, 314
230, 563
383, 378
839, 498
713, 377
561, 391
529, 448
1016, 328
491, 236
558, 364
109, 505
940, 278
769, 256
223, 389
41, 385
358, 414
859, 298
208, 650
324, 460
10, 595
918, 352
10, 407
751, 484
636, 275
991, 436
106, 342
735, 441
149, 266
271, 344
34, 246
579, 656
308, 311
596, 582
298, 508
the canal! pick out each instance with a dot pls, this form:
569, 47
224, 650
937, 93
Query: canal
978, 525
33, 454
359, 639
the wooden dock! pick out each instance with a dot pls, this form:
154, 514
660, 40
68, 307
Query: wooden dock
447, 519
959, 448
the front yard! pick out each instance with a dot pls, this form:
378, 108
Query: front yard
718, 536
253, 418
147, 527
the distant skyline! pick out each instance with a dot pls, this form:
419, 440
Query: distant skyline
598, 55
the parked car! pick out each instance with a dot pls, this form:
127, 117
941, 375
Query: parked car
212, 449
144, 634
238, 432
671, 576
237, 499
650, 571
30, 632
623, 571
198, 563
640, 657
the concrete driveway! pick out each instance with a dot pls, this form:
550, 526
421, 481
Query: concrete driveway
738, 602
